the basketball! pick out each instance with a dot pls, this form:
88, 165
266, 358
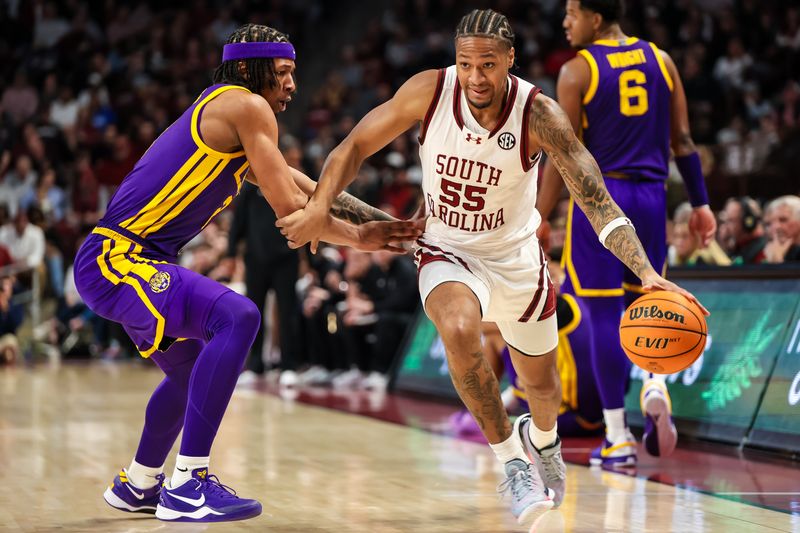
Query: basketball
662, 332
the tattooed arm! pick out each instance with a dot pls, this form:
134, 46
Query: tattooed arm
550, 128
345, 206
348, 207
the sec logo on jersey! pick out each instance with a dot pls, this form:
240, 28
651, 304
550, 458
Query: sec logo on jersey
507, 141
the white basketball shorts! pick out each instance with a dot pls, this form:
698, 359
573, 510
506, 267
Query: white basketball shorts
514, 289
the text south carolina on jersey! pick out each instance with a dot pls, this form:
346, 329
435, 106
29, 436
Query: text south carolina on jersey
469, 183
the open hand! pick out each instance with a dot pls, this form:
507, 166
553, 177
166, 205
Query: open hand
654, 282
380, 235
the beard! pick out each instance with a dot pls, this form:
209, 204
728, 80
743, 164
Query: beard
480, 106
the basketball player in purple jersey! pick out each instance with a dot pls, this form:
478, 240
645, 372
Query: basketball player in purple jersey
625, 97
482, 133
195, 329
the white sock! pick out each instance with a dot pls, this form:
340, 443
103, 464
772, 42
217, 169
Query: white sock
542, 439
615, 424
184, 465
659, 377
509, 449
143, 477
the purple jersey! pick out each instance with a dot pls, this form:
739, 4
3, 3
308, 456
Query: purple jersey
178, 185
626, 122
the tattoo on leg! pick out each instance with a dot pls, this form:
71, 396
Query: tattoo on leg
486, 395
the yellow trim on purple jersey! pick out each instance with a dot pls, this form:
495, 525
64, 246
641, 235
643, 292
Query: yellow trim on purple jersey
663, 67
615, 42
191, 179
595, 76
196, 114
190, 189
566, 262
565, 360
119, 261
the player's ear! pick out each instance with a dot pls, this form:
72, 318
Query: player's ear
511, 53
597, 21
242, 67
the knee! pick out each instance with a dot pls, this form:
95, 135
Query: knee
460, 332
247, 315
235, 311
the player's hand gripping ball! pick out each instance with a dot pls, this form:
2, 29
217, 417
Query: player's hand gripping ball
662, 332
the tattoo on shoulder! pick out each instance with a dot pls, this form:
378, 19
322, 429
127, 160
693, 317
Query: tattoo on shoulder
550, 126
348, 207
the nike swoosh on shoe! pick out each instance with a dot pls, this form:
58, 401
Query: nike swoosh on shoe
136, 494
196, 503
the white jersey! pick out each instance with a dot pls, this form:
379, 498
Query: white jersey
479, 186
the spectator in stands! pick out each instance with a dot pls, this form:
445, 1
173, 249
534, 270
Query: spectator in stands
18, 182
24, 241
86, 192
20, 100
741, 231
381, 300
11, 316
74, 321
686, 248
47, 196
782, 218
321, 289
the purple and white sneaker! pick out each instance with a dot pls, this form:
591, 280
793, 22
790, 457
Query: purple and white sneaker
613, 455
204, 499
660, 435
125, 496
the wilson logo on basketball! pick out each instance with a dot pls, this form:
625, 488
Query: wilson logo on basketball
658, 343
654, 312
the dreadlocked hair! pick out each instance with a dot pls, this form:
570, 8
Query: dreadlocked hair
486, 23
260, 70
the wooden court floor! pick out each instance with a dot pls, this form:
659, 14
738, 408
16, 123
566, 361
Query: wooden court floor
66, 430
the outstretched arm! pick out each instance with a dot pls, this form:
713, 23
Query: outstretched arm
381, 126
550, 128
345, 206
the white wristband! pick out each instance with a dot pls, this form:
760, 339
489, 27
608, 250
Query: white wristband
611, 226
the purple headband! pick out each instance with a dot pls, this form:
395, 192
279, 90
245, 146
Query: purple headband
259, 49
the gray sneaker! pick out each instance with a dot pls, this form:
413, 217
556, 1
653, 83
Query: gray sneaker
529, 497
548, 460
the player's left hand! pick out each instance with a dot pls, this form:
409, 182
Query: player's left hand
305, 225
703, 223
380, 235
653, 282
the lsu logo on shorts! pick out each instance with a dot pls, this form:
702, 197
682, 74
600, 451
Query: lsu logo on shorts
159, 282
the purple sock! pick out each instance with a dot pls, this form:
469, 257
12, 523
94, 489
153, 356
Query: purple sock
230, 329
611, 365
163, 418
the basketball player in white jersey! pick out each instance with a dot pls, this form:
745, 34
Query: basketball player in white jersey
481, 137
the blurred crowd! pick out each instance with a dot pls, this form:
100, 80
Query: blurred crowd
88, 85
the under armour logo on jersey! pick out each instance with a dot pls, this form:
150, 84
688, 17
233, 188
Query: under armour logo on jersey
507, 141
471, 138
